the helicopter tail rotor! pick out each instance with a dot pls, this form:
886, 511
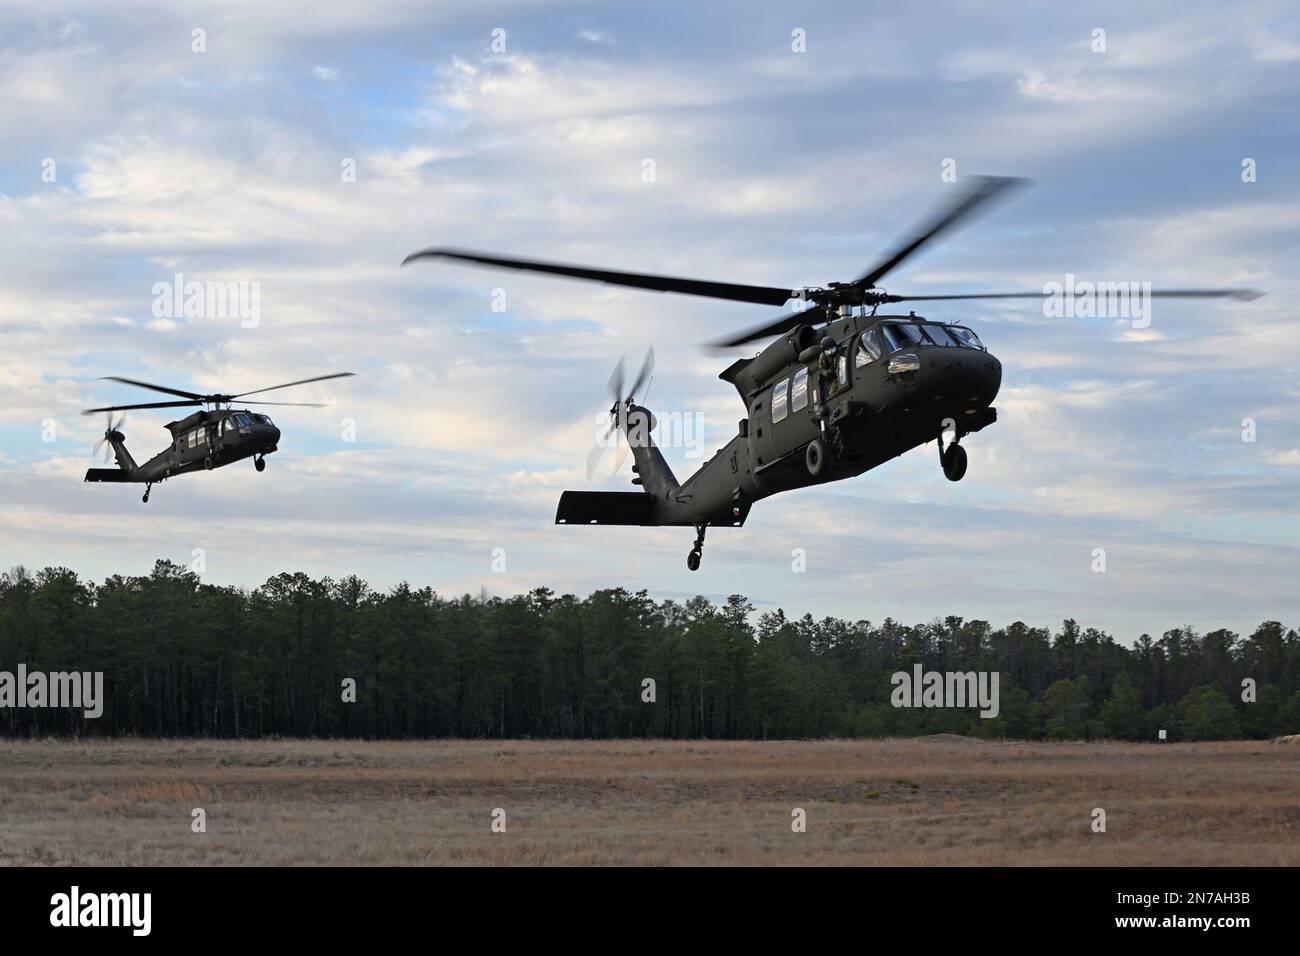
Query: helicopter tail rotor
103, 446
622, 401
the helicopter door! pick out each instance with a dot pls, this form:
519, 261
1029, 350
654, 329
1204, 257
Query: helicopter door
801, 427
768, 410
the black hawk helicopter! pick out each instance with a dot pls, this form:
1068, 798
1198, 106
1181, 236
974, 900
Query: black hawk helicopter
840, 391
214, 436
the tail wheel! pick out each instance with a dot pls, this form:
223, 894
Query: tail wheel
954, 463
818, 457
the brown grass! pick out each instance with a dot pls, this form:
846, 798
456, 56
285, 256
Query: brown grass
893, 802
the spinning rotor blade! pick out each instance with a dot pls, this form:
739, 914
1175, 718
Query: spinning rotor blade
735, 292
597, 453
615, 389
110, 426
1241, 295
647, 369
811, 316
272, 388
157, 388
615, 384
118, 408
985, 188
298, 404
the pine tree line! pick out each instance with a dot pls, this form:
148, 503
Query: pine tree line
184, 658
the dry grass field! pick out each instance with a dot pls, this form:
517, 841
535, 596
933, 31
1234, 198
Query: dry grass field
933, 801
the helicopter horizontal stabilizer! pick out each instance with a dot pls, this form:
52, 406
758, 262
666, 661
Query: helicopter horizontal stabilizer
106, 474
606, 507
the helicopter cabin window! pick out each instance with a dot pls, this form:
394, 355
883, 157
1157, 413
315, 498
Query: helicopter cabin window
779, 398
799, 391
842, 369
868, 349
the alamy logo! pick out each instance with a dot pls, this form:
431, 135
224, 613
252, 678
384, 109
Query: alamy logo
102, 909
208, 300
1098, 300
57, 689
946, 689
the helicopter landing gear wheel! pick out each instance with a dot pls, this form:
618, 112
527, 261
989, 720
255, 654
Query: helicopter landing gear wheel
145, 499
818, 457
693, 559
207, 463
259, 464
954, 462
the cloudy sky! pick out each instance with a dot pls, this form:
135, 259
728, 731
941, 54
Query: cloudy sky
133, 148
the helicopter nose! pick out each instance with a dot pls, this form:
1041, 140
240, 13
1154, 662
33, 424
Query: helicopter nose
963, 381
992, 377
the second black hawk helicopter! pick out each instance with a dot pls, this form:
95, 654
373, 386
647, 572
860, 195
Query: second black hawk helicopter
840, 391
211, 437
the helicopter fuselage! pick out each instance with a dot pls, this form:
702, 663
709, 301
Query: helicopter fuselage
202, 441
211, 439
880, 387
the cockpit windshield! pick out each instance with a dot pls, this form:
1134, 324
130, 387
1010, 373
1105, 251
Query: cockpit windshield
966, 337
901, 335
893, 337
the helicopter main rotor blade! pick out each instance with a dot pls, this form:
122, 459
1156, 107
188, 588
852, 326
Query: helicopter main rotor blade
1241, 295
157, 388
984, 189
793, 320
298, 404
809, 317
734, 292
272, 388
120, 408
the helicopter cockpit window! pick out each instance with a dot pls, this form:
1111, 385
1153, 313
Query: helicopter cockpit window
939, 335
966, 337
868, 349
799, 390
915, 335
780, 395
894, 337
